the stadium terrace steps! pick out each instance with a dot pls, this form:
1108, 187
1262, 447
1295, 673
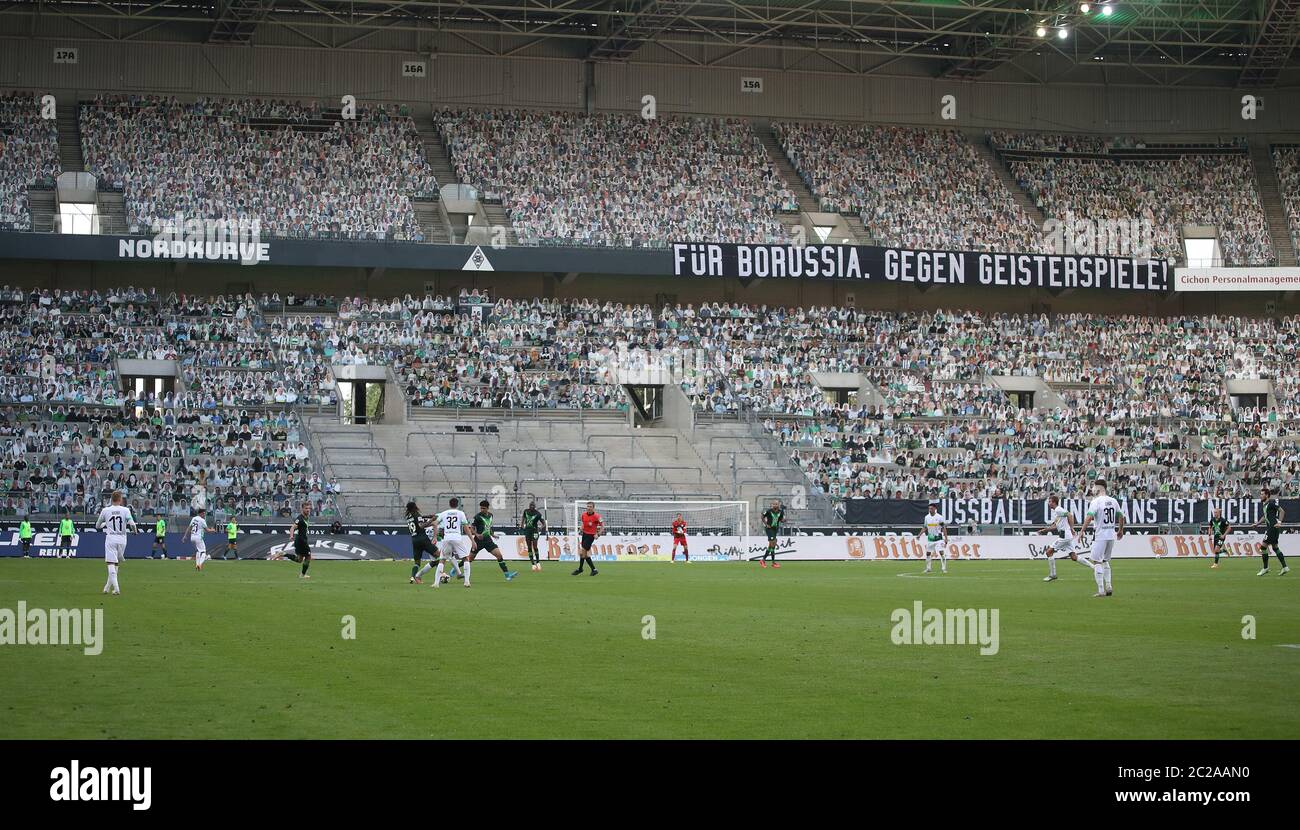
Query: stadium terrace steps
859, 230
980, 142
1046, 397
349, 455
459, 226
41, 204
112, 213
807, 201
432, 222
70, 157
497, 216
474, 416
752, 466
1261, 157
439, 227
436, 153
558, 456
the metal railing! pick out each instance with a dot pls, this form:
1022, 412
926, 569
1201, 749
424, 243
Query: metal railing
369, 452
632, 438
368, 480
517, 498
658, 470
453, 435
677, 495
471, 414
611, 486
377, 503
352, 477
538, 452
473, 468
347, 431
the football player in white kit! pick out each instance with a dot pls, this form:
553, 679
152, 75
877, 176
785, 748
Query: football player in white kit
936, 538
1108, 521
115, 520
455, 544
1060, 523
198, 527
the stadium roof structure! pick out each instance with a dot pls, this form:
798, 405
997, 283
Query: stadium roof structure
1216, 43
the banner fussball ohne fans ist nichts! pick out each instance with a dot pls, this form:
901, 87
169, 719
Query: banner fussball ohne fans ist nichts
960, 513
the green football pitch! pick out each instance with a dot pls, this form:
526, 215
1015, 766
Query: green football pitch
247, 650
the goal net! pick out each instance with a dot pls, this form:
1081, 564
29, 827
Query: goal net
721, 518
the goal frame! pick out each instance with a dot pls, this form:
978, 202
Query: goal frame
577, 507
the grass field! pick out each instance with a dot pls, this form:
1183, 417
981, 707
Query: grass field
246, 649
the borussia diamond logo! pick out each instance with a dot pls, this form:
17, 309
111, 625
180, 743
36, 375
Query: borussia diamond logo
477, 261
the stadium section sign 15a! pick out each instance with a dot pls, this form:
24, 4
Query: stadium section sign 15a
953, 268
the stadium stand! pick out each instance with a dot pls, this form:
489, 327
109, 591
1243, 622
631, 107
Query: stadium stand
299, 170
166, 461
227, 437
526, 400
1286, 162
1167, 186
526, 386
619, 180
911, 187
29, 157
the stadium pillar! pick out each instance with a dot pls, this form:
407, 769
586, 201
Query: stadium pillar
587, 87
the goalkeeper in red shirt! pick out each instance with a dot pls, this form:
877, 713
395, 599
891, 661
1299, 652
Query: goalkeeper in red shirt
679, 538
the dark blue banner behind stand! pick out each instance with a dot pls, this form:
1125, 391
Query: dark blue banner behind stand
858, 263
90, 544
